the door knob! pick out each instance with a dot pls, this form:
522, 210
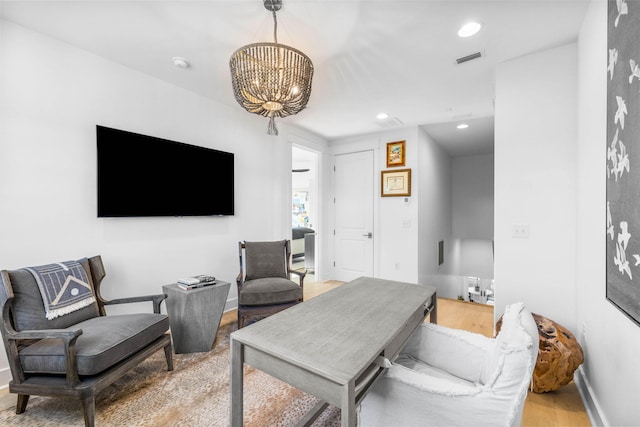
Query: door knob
369, 235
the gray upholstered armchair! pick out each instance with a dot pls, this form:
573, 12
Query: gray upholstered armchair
79, 351
264, 287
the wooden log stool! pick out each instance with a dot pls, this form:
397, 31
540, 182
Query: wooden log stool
559, 355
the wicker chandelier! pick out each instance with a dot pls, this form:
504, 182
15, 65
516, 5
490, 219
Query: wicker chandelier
271, 79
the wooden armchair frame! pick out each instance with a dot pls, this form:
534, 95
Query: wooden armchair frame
71, 384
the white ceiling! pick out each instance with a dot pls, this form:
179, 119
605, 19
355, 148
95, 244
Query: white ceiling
369, 56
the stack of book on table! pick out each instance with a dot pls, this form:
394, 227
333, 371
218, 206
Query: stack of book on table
195, 282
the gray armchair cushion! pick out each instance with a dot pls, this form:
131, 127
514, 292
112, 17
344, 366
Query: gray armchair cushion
269, 291
299, 232
265, 259
28, 307
106, 340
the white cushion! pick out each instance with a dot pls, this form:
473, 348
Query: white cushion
461, 353
416, 365
515, 336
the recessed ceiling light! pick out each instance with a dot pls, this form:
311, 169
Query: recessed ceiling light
462, 126
382, 116
180, 62
469, 29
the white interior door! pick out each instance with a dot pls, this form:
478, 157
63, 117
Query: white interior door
353, 215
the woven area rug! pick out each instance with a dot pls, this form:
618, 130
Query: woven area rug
196, 393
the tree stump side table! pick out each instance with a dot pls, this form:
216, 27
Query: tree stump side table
559, 355
194, 315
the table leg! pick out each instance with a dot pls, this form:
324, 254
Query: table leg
313, 414
348, 406
433, 316
237, 362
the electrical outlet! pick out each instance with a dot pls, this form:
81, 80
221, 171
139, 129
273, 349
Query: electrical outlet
520, 231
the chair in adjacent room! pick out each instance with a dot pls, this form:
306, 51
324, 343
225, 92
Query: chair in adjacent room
264, 285
59, 340
449, 377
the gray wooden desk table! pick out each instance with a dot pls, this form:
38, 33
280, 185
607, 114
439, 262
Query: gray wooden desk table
328, 345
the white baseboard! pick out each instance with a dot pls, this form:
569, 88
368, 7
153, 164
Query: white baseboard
231, 304
595, 414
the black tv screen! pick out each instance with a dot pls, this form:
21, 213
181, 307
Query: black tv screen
141, 175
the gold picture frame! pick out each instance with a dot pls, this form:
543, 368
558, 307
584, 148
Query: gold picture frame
396, 154
395, 183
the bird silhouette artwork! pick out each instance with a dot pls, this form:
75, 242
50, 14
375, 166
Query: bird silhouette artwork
612, 155
623, 9
621, 250
613, 59
620, 112
623, 161
635, 70
610, 230
617, 155
622, 141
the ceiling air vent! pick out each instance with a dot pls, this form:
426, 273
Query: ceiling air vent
469, 57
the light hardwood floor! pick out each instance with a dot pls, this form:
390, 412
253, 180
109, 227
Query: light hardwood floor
560, 408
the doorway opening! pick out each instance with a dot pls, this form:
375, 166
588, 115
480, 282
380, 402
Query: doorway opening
305, 210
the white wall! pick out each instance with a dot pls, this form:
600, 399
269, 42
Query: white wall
459, 194
473, 216
475, 258
407, 230
53, 95
395, 219
610, 340
435, 217
398, 216
535, 183
472, 197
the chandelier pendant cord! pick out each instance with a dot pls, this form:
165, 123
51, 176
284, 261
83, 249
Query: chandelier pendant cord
275, 27
272, 129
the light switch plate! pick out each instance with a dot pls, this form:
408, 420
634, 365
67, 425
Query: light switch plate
520, 231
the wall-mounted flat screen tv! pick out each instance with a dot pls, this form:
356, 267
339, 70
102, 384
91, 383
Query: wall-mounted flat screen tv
141, 175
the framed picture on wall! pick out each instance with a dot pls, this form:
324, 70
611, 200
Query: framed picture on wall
623, 159
396, 183
395, 154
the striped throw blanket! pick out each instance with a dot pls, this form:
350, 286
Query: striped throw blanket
64, 287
